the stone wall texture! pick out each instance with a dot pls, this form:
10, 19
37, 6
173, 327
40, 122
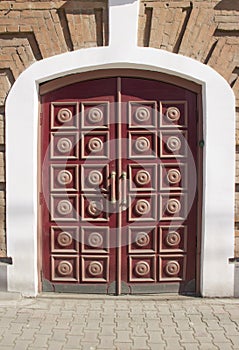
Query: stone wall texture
205, 30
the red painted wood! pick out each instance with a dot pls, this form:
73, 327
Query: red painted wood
157, 249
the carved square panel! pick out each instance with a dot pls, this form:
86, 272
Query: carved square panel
64, 145
95, 239
64, 207
142, 268
142, 114
172, 267
64, 177
173, 144
173, 114
142, 207
94, 114
95, 268
64, 239
142, 239
94, 208
95, 145
64, 115
172, 239
65, 268
142, 144
173, 206
142, 177
173, 176
94, 177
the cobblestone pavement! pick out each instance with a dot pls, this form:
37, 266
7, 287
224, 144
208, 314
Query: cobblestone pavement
140, 323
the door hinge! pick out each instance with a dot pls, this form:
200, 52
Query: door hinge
41, 118
41, 197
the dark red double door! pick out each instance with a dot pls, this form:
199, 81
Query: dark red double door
118, 187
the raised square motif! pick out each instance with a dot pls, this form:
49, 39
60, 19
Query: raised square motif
94, 115
173, 144
142, 239
95, 268
142, 268
65, 268
142, 145
64, 178
142, 207
64, 145
173, 176
94, 177
64, 115
173, 239
64, 207
142, 177
94, 208
173, 114
95, 239
64, 239
173, 206
142, 114
95, 145
172, 267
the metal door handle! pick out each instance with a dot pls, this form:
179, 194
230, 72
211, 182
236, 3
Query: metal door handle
113, 187
124, 189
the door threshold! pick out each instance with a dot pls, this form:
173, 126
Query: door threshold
161, 296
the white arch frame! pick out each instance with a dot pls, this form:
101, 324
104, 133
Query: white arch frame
22, 108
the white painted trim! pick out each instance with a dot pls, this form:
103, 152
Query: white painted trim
217, 276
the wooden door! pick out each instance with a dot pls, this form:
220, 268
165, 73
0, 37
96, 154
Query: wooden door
118, 177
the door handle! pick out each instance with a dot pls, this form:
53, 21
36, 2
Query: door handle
124, 189
113, 187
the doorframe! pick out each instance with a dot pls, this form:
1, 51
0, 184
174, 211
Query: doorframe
68, 80
22, 107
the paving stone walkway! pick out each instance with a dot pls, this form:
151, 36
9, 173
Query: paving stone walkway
122, 323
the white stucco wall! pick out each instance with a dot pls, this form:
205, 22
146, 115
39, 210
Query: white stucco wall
22, 147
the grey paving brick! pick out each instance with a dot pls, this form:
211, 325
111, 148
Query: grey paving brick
190, 346
21, 345
107, 330
140, 342
16, 328
107, 341
89, 346
123, 346
170, 331
138, 330
209, 346
219, 336
90, 336
187, 337
43, 329
231, 329
8, 339
41, 340
156, 346
72, 341
224, 346
124, 337
76, 329
27, 334
58, 335
54, 345
155, 337
235, 340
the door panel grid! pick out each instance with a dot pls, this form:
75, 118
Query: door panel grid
116, 186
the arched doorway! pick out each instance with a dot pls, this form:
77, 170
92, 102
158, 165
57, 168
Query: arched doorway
120, 197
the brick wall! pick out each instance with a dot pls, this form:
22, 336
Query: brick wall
31, 30
207, 31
